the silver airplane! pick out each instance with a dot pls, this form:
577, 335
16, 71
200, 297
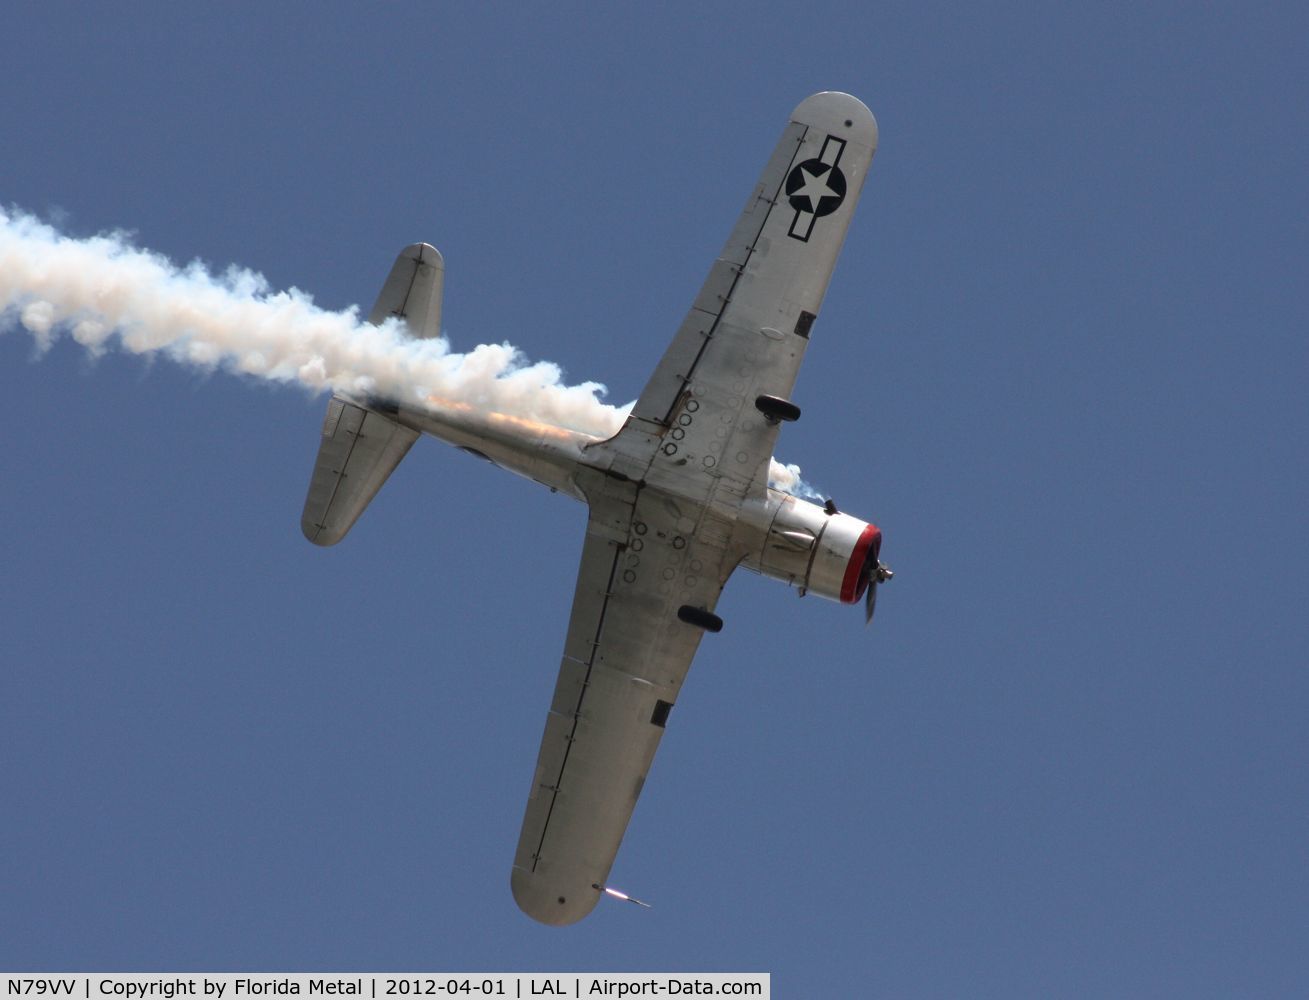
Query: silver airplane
677, 499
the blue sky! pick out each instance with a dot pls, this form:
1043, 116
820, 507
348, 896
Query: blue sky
1062, 364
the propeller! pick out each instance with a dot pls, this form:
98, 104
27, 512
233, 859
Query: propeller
873, 575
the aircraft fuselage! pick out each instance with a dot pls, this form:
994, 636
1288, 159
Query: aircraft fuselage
813, 548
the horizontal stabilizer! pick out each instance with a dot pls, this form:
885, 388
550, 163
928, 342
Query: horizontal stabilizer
413, 291
361, 447
359, 450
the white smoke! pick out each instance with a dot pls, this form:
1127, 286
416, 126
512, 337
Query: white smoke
104, 292
787, 479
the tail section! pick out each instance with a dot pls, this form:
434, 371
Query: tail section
362, 445
413, 291
359, 450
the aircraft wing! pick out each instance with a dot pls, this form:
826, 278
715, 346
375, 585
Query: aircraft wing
624, 661
747, 331
695, 448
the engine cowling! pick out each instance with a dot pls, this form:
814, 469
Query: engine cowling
819, 550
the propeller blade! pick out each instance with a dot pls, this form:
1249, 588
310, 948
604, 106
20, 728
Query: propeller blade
876, 573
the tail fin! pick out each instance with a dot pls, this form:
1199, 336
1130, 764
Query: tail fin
361, 446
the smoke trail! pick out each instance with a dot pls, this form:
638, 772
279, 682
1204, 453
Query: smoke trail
103, 292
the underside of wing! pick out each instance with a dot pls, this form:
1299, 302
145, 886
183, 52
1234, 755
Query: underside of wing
625, 658
695, 449
747, 331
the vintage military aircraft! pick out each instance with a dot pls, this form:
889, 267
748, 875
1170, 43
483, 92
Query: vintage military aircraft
678, 498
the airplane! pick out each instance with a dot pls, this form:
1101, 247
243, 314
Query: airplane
677, 499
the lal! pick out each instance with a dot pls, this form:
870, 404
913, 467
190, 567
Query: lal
551, 987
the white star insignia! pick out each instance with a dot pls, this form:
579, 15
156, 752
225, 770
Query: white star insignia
815, 188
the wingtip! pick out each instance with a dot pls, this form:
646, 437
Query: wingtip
549, 902
840, 114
